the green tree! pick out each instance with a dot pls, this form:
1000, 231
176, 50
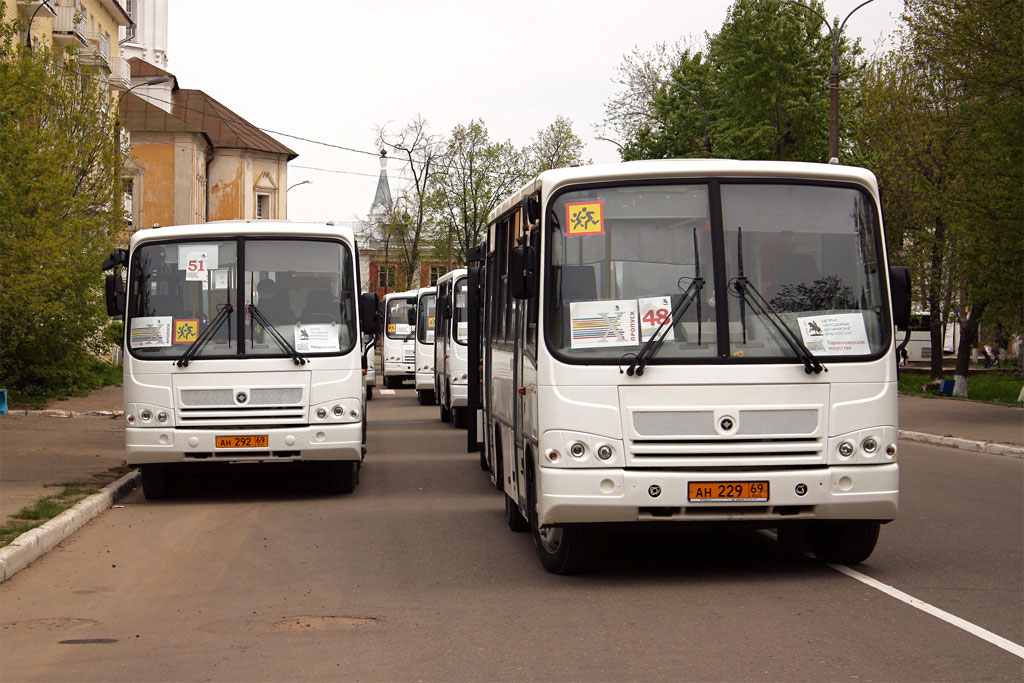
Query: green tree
757, 91
475, 176
555, 146
59, 191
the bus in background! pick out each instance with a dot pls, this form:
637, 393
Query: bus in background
692, 341
243, 346
426, 319
398, 348
450, 350
919, 347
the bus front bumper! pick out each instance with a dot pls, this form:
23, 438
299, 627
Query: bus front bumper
459, 395
300, 443
572, 496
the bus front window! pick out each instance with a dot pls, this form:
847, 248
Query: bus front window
396, 319
621, 258
427, 315
811, 252
460, 321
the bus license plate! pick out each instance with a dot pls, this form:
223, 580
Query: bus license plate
728, 491
243, 441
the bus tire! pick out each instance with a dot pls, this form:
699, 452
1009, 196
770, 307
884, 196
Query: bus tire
369, 393
425, 397
515, 519
847, 541
459, 417
561, 550
154, 481
340, 476
446, 415
483, 462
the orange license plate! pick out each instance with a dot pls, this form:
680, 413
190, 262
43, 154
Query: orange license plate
243, 441
728, 491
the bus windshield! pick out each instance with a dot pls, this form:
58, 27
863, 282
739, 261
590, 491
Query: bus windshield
397, 318
427, 315
303, 292
625, 260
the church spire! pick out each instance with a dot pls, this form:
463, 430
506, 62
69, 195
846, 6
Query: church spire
382, 197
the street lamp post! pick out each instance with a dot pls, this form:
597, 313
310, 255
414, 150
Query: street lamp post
304, 182
833, 76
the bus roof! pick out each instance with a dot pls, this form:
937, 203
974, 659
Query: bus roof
255, 228
676, 169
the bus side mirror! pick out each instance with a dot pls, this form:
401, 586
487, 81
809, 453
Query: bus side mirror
369, 307
899, 289
410, 315
118, 257
115, 295
522, 272
533, 208
442, 306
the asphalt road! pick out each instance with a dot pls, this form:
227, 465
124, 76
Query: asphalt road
416, 577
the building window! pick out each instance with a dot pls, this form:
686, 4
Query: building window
262, 206
386, 278
129, 8
436, 272
128, 191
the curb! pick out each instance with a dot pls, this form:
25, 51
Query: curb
32, 544
990, 447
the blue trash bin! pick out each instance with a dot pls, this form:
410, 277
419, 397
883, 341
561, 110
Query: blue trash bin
947, 387
3, 401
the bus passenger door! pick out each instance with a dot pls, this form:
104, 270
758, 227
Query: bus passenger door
474, 402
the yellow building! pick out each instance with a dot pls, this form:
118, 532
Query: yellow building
195, 160
93, 27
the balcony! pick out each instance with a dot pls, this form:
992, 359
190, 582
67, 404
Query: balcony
69, 28
97, 52
120, 74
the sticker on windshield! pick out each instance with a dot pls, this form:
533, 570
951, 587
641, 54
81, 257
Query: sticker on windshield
211, 260
152, 331
186, 330
604, 323
585, 218
195, 266
316, 338
840, 334
654, 310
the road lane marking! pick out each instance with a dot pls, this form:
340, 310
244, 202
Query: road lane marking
973, 629
386, 392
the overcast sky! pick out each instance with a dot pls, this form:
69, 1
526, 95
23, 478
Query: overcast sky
335, 71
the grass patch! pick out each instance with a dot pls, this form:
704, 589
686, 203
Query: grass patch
994, 386
99, 375
48, 507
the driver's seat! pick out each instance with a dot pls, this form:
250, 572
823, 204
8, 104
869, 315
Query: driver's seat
320, 307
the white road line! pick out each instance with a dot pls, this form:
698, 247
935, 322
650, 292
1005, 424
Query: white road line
386, 391
998, 641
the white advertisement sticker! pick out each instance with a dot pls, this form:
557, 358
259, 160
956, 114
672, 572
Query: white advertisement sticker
211, 259
316, 338
654, 311
841, 334
604, 323
195, 266
152, 331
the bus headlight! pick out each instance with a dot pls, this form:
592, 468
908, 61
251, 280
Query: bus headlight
577, 449
345, 410
148, 415
321, 413
846, 449
604, 451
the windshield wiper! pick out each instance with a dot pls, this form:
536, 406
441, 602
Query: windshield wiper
223, 313
748, 294
691, 294
268, 326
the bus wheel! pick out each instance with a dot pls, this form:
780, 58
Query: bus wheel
515, 519
562, 550
340, 476
446, 414
483, 462
369, 393
425, 397
843, 541
154, 481
459, 417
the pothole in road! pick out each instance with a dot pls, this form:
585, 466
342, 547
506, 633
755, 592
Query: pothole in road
323, 623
